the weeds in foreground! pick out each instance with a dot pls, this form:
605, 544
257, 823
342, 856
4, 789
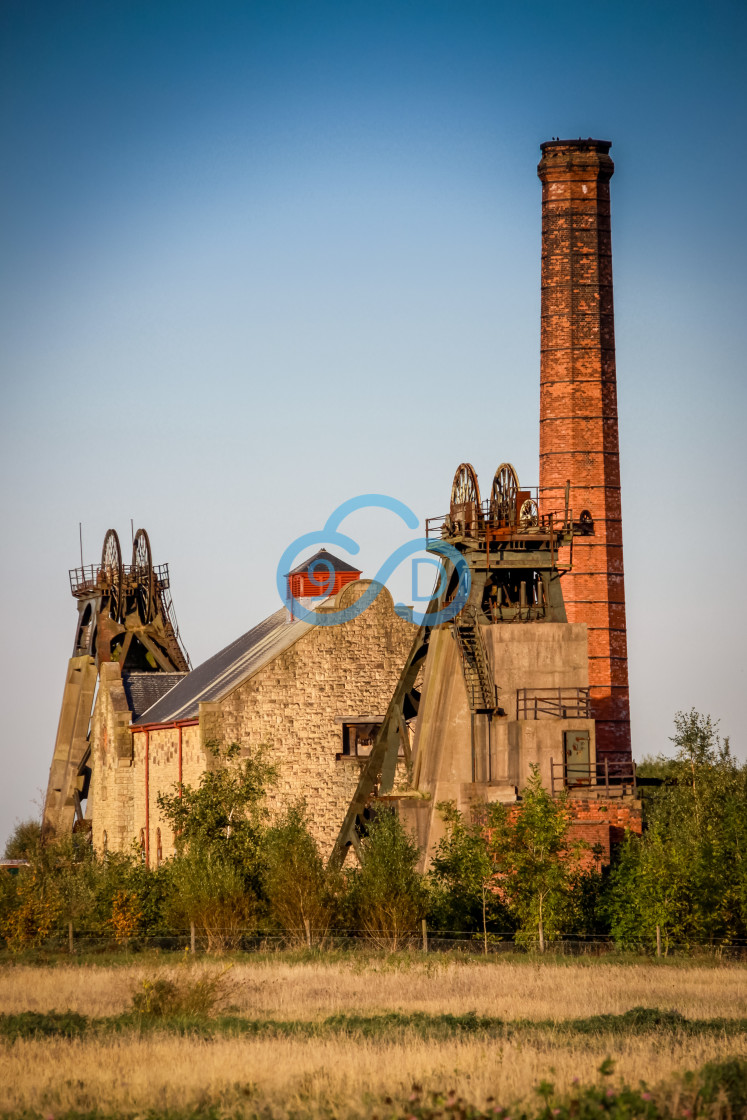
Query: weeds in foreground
163, 1005
718, 1091
181, 993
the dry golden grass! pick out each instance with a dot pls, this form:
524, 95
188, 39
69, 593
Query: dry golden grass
130, 1072
504, 989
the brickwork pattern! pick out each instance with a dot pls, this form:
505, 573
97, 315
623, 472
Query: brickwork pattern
578, 414
601, 824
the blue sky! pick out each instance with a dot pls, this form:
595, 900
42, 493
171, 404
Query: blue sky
257, 258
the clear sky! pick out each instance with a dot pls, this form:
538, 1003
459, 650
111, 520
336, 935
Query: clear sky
259, 257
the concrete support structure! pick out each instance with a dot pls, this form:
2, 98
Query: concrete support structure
471, 758
578, 414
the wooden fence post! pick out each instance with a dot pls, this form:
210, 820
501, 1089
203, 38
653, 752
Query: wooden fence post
192, 937
425, 936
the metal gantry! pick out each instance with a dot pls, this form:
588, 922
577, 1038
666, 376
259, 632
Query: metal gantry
511, 550
125, 615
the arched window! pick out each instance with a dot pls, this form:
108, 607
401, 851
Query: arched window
105, 841
142, 844
159, 849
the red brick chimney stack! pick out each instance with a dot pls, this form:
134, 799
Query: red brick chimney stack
578, 413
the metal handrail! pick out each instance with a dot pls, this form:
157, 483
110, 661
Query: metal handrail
92, 577
611, 776
559, 703
549, 522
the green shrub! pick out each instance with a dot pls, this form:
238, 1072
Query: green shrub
302, 895
35, 1024
387, 896
181, 994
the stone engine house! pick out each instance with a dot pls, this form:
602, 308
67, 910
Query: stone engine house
312, 695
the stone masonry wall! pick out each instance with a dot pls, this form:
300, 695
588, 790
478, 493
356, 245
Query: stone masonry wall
294, 706
111, 792
163, 777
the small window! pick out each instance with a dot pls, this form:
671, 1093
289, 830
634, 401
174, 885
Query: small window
105, 840
358, 739
142, 844
159, 849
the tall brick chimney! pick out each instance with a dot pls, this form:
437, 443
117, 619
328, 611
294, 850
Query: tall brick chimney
578, 413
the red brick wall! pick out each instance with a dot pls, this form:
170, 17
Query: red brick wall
578, 414
601, 824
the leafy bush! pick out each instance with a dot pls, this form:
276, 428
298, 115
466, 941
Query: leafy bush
302, 896
387, 896
209, 890
686, 875
35, 1024
24, 841
181, 994
717, 1092
722, 1083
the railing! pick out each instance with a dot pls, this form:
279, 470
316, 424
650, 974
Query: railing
552, 703
477, 521
478, 675
169, 616
608, 774
91, 578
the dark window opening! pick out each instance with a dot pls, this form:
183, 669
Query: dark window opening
358, 739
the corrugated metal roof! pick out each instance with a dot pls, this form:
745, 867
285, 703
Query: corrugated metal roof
225, 670
143, 690
335, 562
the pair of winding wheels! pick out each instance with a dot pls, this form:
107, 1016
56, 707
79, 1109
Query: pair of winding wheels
140, 573
465, 510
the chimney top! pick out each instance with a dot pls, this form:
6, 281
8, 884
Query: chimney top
598, 145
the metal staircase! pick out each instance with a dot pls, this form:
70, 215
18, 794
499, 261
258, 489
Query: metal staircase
478, 676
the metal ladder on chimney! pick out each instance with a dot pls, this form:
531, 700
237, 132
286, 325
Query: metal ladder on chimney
478, 677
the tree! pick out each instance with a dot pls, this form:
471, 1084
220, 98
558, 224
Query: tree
31, 899
76, 875
220, 828
537, 866
24, 840
687, 875
463, 871
209, 891
387, 895
302, 896
225, 814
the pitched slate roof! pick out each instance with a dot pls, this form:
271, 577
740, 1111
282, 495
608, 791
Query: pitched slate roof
335, 562
225, 670
143, 690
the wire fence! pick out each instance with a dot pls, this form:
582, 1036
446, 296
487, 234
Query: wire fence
459, 942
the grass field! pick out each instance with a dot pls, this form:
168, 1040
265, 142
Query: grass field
338, 1036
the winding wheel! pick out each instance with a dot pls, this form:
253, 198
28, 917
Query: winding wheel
465, 510
503, 497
